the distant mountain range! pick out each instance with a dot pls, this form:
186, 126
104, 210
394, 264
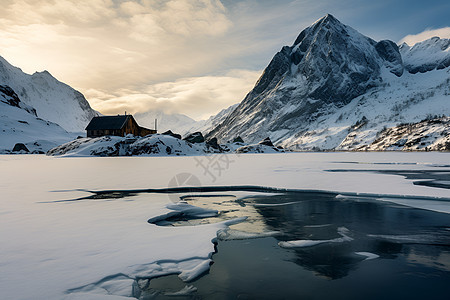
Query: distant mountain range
333, 89
175, 122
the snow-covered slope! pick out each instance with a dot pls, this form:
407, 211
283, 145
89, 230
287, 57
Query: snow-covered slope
427, 135
335, 88
178, 123
426, 56
406, 99
154, 145
53, 100
19, 124
205, 125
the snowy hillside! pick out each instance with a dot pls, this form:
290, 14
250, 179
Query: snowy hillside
157, 145
426, 56
19, 124
335, 88
213, 121
178, 123
427, 135
53, 100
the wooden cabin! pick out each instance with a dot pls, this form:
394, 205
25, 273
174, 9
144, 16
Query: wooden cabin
120, 125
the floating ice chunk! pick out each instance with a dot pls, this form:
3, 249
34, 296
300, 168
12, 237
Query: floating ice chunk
301, 243
189, 275
186, 291
192, 211
309, 243
182, 208
317, 226
368, 255
233, 221
231, 234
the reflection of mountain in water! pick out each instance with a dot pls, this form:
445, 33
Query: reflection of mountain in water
379, 228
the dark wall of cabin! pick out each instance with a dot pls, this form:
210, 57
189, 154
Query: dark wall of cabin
130, 126
145, 131
103, 132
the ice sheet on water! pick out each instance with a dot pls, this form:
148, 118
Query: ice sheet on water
231, 234
191, 274
427, 238
186, 291
368, 255
39, 233
87, 296
342, 231
184, 209
317, 226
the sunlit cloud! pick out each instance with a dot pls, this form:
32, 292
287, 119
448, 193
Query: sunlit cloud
198, 97
174, 55
115, 47
424, 35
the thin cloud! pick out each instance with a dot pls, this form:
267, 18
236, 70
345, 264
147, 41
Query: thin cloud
198, 97
173, 55
412, 39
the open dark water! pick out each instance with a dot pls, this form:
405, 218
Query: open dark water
409, 251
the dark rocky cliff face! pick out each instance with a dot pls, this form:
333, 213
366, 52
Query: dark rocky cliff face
328, 65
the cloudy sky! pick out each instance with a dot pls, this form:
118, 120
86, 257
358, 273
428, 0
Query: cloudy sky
194, 57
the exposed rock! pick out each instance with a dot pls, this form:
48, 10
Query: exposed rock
389, 51
20, 147
266, 142
11, 97
175, 135
238, 139
196, 137
213, 143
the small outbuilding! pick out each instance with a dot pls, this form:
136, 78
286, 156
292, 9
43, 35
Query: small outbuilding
119, 125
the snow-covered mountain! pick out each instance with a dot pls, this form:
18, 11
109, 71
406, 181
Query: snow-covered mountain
427, 135
335, 88
178, 123
212, 121
20, 124
53, 100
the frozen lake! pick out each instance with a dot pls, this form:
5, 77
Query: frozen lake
370, 225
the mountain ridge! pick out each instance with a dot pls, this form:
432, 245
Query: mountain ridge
52, 99
329, 66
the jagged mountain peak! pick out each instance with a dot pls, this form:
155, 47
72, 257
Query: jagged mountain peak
329, 68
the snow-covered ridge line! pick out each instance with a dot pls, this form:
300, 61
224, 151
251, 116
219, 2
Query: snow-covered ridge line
22, 131
336, 89
53, 100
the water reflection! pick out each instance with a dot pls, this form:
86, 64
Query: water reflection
384, 229
379, 228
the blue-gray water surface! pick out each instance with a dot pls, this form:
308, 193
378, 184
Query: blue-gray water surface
392, 251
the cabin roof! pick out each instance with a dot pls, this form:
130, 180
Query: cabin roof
108, 122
